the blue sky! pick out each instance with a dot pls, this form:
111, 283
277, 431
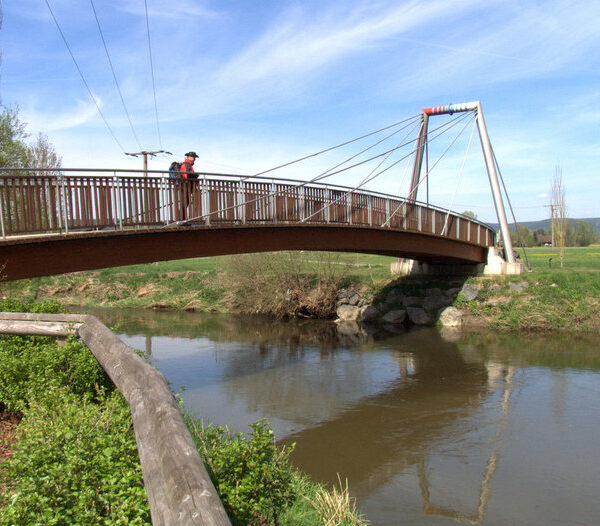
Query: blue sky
250, 85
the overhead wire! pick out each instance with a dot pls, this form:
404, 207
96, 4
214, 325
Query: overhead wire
152, 72
82, 77
112, 69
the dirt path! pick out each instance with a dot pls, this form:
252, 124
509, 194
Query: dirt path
8, 427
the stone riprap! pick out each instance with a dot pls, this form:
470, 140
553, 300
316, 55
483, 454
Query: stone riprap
398, 306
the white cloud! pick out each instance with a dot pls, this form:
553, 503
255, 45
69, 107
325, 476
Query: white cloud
82, 112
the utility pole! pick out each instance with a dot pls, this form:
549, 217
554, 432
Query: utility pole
552, 221
146, 154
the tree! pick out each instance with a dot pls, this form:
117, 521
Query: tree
584, 234
13, 149
521, 236
15, 152
469, 213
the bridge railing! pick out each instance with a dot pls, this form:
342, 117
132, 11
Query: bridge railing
43, 201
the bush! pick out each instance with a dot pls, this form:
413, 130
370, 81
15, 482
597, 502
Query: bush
30, 365
75, 462
283, 284
251, 474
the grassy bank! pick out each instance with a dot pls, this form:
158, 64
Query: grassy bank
73, 457
281, 284
304, 284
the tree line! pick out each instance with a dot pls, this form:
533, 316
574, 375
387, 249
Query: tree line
577, 234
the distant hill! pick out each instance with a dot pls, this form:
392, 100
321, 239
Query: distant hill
547, 225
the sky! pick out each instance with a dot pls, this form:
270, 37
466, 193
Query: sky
251, 85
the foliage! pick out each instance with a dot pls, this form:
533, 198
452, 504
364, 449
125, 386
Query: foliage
15, 152
521, 236
282, 284
252, 475
581, 234
30, 365
75, 462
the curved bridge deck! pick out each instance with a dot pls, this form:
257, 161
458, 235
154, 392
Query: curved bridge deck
53, 224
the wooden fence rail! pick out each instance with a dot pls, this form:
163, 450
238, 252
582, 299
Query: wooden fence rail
62, 203
177, 484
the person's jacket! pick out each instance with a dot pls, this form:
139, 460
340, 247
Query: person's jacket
187, 170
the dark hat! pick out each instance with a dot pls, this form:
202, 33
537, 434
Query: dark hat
191, 154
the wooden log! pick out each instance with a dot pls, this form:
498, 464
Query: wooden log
38, 328
177, 484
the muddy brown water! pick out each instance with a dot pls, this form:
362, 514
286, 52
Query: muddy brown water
428, 428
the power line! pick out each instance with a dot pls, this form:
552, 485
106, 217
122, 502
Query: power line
152, 71
83, 78
114, 74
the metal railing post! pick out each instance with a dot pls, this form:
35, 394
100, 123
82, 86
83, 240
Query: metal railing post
2, 212
328, 202
273, 202
388, 214
349, 207
242, 201
206, 198
301, 202
419, 224
119, 194
63, 198
370, 209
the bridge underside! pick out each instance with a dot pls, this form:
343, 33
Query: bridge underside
47, 255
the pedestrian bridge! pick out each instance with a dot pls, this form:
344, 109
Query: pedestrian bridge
55, 222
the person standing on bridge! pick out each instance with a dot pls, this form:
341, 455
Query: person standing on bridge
188, 184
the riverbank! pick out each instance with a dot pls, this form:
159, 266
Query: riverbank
290, 284
68, 452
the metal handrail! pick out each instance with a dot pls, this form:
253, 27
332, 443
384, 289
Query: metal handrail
158, 174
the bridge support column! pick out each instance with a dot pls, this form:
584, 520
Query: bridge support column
495, 266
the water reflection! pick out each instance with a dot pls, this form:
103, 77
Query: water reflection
428, 428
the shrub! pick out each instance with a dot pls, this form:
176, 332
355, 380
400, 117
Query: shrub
30, 365
284, 285
75, 462
251, 474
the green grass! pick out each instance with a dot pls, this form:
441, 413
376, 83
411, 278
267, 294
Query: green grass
575, 258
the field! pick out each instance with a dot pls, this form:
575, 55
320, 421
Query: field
575, 258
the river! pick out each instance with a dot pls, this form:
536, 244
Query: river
428, 428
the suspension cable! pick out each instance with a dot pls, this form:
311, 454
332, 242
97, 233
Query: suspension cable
152, 72
363, 182
449, 125
459, 178
112, 69
83, 78
455, 122
258, 174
